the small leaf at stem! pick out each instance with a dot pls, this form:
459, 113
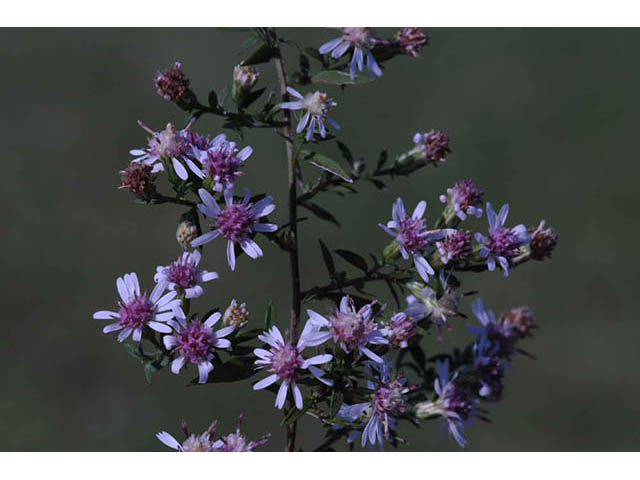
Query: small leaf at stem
325, 163
262, 55
320, 212
328, 259
354, 259
213, 99
269, 316
382, 159
346, 153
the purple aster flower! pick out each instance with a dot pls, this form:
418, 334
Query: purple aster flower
284, 360
352, 329
543, 241
464, 198
502, 336
488, 368
183, 275
502, 243
424, 303
412, 235
388, 401
317, 105
193, 443
195, 342
362, 39
432, 146
235, 222
455, 403
236, 442
220, 161
412, 39
173, 86
400, 330
138, 310
166, 145
455, 246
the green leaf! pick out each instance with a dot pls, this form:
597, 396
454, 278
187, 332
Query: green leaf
418, 355
354, 259
269, 316
213, 99
325, 163
336, 402
320, 212
328, 259
346, 153
382, 159
335, 77
253, 96
134, 350
261, 55
293, 414
149, 369
304, 64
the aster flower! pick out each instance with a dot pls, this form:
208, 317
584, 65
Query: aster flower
285, 362
173, 86
193, 443
424, 303
317, 105
220, 161
463, 199
501, 335
137, 178
488, 369
138, 310
400, 330
362, 39
412, 39
235, 222
183, 275
388, 401
195, 342
236, 315
412, 235
352, 329
236, 442
167, 145
502, 243
517, 322
455, 403
455, 246
185, 233
543, 241
432, 146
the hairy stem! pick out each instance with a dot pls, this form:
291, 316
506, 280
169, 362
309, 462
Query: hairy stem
293, 214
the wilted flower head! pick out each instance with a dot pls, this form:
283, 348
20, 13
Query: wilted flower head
464, 198
352, 329
220, 161
400, 330
173, 85
235, 222
316, 106
244, 79
186, 232
543, 241
138, 310
432, 146
455, 246
388, 401
412, 39
502, 243
164, 146
424, 303
237, 442
183, 275
137, 178
502, 336
518, 322
362, 39
195, 342
193, 443
284, 360
236, 315
412, 236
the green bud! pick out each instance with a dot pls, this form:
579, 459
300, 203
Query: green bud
391, 252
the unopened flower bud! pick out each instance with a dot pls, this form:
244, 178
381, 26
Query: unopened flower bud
543, 241
391, 251
412, 39
173, 86
186, 232
137, 178
432, 146
428, 409
244, 79
359, 165
236, 315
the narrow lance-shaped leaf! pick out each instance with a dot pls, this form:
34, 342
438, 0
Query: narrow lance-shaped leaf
328, 259
320, 212
325, 163
354, 259
335, 77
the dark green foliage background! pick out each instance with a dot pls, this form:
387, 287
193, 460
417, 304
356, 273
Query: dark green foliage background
546, 120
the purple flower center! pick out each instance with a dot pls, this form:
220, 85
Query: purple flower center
167, 144
401, 329
389, 399
350, 328
235, 222
457, 401
183, 274
503, 242
413, 233
456, 245
356, 35
285, 360
136, 312
235, 442
194, 342
466, 194
222, 166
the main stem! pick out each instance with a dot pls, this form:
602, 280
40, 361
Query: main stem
293, 219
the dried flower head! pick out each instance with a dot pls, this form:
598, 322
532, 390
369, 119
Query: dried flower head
138, 179
236, 315
432, 146
543, 241
412, 39
185, 233
173, 86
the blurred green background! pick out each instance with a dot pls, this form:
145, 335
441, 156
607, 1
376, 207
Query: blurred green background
543, 119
